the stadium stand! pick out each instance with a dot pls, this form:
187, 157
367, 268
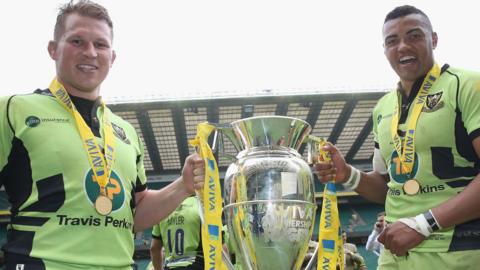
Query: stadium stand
165, 127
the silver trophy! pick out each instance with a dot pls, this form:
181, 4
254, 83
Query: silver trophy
269, 201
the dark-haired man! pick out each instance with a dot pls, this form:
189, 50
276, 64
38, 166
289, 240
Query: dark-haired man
179, 235
73, 170
426, 160
372, 241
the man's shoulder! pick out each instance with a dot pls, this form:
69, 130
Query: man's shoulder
388, 97
121, 126
350, 247
462, 73
386, 101
26, 98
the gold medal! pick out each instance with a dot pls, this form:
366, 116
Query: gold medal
411, 187
103, 205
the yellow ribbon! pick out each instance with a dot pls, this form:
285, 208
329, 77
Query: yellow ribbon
241, 222
406, 154
211, 197
330, 249
101, 164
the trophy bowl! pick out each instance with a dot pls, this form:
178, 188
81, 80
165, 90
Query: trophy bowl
269, 202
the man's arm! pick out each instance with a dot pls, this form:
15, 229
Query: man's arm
399, 238
372, 185
6, 133
359, 261
372, 238
464, 206
154, 205
156, 253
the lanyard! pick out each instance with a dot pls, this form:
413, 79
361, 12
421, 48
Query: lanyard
100, 163
330, 242
211, 198
407, 153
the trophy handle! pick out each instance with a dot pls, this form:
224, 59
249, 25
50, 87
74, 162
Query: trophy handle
226, 260
218, 144
315, 153
312, 260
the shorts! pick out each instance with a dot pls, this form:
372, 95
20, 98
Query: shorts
455, 260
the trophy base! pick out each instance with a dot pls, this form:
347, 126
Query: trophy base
270, 234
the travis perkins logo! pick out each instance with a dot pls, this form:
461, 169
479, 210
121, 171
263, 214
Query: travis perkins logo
114, 190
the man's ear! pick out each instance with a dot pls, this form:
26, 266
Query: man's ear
434, 39
52, 49
114, 56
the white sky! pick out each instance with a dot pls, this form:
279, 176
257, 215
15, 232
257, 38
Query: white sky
212, 47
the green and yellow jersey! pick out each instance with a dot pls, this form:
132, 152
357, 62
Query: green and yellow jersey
180, 234
444, 159
47, 176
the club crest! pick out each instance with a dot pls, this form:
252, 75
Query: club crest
433, 102
120, 133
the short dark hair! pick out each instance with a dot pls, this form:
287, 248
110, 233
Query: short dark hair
85, 8
403, 11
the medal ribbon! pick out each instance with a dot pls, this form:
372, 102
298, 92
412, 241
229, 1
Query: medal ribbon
407, 156
101, 164
211, 198
242, 223
330, 250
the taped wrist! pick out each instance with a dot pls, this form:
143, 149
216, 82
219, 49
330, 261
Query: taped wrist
354, 179
424, 223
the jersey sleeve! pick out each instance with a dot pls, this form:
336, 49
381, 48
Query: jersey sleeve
375, 116
378, 162
468, 103
141, 183
156, 231
6, 132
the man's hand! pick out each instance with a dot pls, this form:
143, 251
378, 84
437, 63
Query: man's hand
399, 238
193, 173
337, 169
380, 224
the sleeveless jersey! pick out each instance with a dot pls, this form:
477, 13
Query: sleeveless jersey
445, 161
48, 179
180, 235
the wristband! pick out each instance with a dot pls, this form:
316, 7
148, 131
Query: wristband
432, 221
354, 179
418, 223
424, 223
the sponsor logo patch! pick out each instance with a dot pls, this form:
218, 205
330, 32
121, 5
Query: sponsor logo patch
328, 245
115, 190
396, 169
34, 121
213, 232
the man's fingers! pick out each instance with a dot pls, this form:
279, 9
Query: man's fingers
198, 171
323, 166
325, 172
197, 161
198, 185
381, 237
